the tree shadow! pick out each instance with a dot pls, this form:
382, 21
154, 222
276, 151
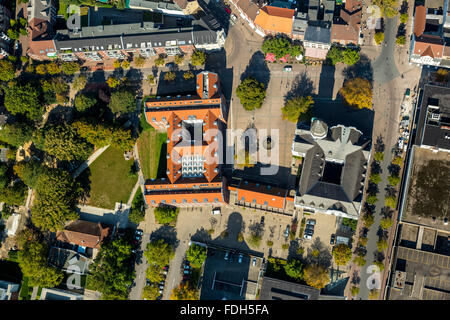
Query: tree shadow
362, 69
372, 188
167, 233
326, 82
319, 254
201, 235
257, 68
293, 252
301, 86
379, 144
356, 279
84, 179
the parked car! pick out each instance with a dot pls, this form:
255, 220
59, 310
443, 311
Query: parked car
311, 222
160, 291
240, 258
307, 236
233, 18
286, 232
227, 10
187, 267
166, 268
139, 232
333, 239
161, 287
262, 220
287, 68
148, 282
254, 262
227, 254
138, 237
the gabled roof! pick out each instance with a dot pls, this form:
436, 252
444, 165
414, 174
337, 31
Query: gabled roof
429, 45
83, 233
249, 8
420, 20
275, 19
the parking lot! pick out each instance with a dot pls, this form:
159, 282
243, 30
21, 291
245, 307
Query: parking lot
324, 227
227, 275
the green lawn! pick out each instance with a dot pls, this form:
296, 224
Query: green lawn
152, 148
110, 178
25, 291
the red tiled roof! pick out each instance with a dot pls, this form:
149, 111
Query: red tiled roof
420, 19
84, 233
429, 45
262, 194
344, 32
273, 19
249, 8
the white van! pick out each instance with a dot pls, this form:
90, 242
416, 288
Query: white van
216, 211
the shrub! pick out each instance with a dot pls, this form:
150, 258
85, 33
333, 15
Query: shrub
285, 246
398, 161
179, 59
359, 261
379, 264
160, 61
151, 79
401, 40
373, 294
375, 178
269, 243
125, 64
371, 200
393, 180
169, 76
385, 223
378, 37
116, 64
362, 241
355, 291
368, 220
139, 61
188, 75
379, 156
390, 202
382, 245
240, 237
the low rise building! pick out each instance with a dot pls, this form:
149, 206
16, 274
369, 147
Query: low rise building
167, 7
194, 123
347, 26
274, 20
57, 294
333, 169
9, 290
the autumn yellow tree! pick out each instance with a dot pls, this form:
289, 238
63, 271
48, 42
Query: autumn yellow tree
357, 93
184, 292
442, 75
316, 276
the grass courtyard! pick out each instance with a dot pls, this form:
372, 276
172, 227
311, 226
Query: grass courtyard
111, 180
152, 150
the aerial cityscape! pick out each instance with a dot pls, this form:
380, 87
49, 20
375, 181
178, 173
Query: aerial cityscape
224, 150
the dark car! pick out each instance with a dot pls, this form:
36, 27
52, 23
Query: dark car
333, 239
262, 220
364, 234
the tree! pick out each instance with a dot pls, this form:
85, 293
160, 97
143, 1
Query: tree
179, 58
254, 240
397, 161
4, 177
251, 93
63, 142
404, 18
151, 79
316, 276
23, 99
390, 202
382, 245
385, 223
374, 294
13, 34
379, 156
350, 57
160, 61
13, 195
79, 82
368, 220
154, 273
53, 68
184, 292
355, 291
112, 272
29, 172
342, 254
159, 253
335, 55
401, 40
113, 82
166, 214
357, 93
116, 64
371, 199
442, 75
70, 68
378, 37
359, 261
136, 215
297, 107
7, 70
33, 263
16, 134
196, 255
169, 76
56, 196
393, 180
279, 46
362, 241
55, 89
125, 64
150, 292
83, 102
188, 75
122, 102
350, 223
379, 264
269, 243
294, 269
101, 134
375, 178
139, 61
198, 58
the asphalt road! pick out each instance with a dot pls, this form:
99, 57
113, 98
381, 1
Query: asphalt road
140, 268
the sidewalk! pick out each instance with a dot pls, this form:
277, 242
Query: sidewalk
88, 162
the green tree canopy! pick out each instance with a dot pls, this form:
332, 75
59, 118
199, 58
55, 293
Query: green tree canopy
251, 93
296, 108
150, 292
112, 272
393, 180
342, 254
198, 58
29, 172
280, 47
378, 37
350, 57
154, 273
13, 195
16, 134
79, 82
56, 195
166, 214
385, 223
122, 101
70, 68
196, 255
7, 70
63, 142
294, 269
159, 253
83, 102
335, 55
184, 292
33, 263
23, 99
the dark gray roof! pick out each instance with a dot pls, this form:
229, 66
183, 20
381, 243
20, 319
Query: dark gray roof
318, 34
274, 289
434, 132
